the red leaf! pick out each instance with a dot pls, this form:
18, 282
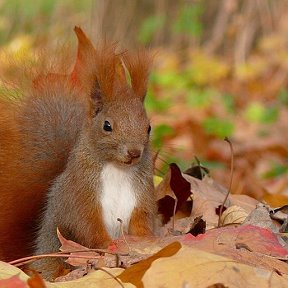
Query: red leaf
179, 185
13, 282
174, 186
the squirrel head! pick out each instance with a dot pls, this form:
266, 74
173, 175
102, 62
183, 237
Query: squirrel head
116, 83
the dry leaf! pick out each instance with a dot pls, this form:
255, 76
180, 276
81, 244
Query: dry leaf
246, 244
135, 273
94, 279
244, 201
207, 196
173, 188
198, 226
69, 245
233, 215
13, 282
7, 271
261, 217
197, 268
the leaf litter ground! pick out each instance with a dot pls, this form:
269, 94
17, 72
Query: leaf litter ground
248, 251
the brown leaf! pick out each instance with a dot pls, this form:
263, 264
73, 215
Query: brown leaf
208, 195
233, 215
135, 273
197, 170
198, 226
69, 245
196, 268
261, 217
264, 246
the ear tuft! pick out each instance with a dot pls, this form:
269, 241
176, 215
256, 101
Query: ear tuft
138, 65
84, 65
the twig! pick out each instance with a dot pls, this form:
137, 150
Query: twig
22, 261
25, 260
123, 235
110, 274
231, 178
174, 212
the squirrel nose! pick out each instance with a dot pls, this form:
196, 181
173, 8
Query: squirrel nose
134, 153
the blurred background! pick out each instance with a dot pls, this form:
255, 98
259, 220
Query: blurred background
221, 69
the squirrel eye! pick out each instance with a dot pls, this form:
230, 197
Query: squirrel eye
107, 126
149, 129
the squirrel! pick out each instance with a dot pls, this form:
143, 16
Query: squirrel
78, 150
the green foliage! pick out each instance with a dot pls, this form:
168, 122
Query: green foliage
152, 103
149, 27
229, 103
218, 127
158, 134
257, 112
276, 171
212, 165
283, 96
181, 163
33, 17
204, 69
199, 97
251, 70
189, 20
170, 79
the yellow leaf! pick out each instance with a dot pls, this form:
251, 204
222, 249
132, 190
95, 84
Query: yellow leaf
194, 268
233, 215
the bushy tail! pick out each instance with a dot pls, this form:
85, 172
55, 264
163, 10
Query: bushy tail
38, 132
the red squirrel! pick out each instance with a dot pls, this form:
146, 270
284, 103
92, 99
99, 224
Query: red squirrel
77, 149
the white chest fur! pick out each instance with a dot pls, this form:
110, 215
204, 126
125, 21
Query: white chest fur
117, 198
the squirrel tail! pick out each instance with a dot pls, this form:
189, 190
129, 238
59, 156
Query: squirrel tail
38, 131
37, 135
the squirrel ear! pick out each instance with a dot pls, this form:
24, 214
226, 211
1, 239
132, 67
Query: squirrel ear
85, 71
84, 66
138, 65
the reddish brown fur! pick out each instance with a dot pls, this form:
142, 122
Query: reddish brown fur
138, 65
39, 132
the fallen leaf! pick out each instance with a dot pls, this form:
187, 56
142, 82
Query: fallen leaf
265, 246
197, 268
276, 199
244, 201
233, 215
13, 282
198, 226
207, 196
173, 190
94, 279
135, 273
197, 170
284, 227
69, 245
261, 217
8, 271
